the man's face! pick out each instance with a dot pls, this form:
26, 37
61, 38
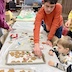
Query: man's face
48, 7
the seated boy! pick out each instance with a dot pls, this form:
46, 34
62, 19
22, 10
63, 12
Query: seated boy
63, 53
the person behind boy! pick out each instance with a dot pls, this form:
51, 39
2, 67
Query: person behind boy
50, 13
69, 24
64, 49
9, 14
3, 24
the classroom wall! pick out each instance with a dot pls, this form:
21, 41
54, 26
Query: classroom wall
67, 6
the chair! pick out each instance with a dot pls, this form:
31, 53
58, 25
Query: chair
12, 5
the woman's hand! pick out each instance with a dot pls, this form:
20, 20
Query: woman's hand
10, 28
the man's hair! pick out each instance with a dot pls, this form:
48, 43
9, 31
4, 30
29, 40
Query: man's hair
66, 42
7, 6
51, 1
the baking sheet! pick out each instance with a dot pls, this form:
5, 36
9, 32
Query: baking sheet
23, 57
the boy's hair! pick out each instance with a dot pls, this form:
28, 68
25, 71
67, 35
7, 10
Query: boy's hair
51, 1
66, 42
54, 40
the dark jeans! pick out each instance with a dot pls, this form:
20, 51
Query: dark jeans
58, 31
0, 45
69, 68
1, 32
69, 34
0, 36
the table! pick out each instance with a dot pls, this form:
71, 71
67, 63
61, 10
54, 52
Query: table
28, 26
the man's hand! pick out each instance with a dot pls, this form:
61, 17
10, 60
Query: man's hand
37, 50
67, 24
49, 43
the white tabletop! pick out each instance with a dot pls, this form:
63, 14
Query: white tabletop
27, 26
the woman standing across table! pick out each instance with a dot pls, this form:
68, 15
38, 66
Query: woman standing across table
3, 23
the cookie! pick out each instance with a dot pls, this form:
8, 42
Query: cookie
21, 55
33, 58
1, 70
22, 52
17, 56
18, 61
43, 42
23, 61
29, 71
22, 71
13, 62
30, 61
25, 33
31, 39
11, 70
12, 53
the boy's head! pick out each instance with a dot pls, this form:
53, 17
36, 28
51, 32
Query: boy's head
49, 5
64, 44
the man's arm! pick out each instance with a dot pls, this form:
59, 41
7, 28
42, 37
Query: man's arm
57, 65
37, 24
